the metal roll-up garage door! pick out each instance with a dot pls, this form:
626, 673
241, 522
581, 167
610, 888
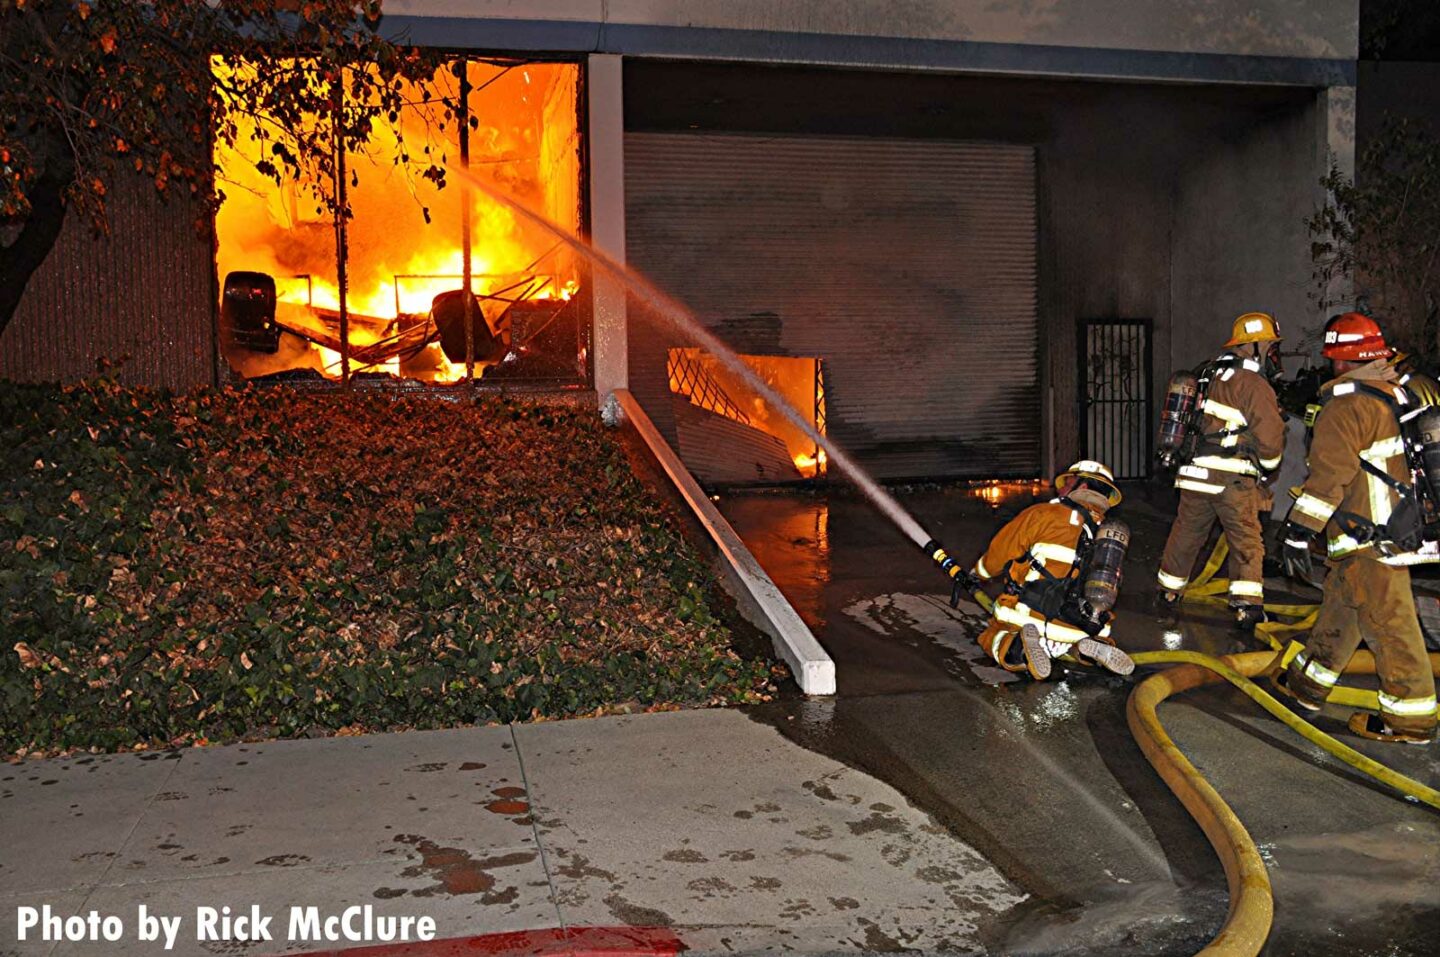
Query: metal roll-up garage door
908, 266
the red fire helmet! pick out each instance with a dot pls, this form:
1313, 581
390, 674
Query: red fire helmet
1354, 337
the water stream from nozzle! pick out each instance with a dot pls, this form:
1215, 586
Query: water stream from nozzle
684, 320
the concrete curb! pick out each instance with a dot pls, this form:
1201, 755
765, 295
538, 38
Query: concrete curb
550, 942
757, 596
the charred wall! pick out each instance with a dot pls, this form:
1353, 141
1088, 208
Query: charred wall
140, 298
1118, 183
1240, 240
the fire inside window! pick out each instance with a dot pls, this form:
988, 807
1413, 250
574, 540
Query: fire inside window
404, 266
697, 377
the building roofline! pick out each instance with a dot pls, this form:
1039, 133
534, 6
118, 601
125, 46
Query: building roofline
824, 49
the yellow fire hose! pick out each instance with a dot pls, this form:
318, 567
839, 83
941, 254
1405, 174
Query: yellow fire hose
1251, 903
1247, 925
1207, 589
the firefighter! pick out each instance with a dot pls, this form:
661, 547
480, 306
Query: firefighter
1358, 474
1417, 381
1048, 543
1242, 441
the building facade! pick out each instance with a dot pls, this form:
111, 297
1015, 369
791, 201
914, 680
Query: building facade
980, 235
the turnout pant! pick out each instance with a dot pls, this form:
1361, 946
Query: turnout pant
1011, 615
1237, 509
1367, 600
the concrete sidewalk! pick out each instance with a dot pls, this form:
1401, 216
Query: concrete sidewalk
1098, 836
705, 822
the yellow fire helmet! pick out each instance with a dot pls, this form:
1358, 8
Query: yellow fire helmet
1254, 327
1095, 472
1420, 385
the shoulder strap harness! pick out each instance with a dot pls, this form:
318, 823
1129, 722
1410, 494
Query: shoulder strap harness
1082, 549
1403, 408
1224, 368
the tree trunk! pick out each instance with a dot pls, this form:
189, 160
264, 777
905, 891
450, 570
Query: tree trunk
20, 259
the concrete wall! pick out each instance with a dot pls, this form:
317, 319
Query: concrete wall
1287, 28
1240, 243
1139, 185
605, 142
1107, 178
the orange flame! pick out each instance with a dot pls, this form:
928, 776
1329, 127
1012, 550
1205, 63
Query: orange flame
404, 236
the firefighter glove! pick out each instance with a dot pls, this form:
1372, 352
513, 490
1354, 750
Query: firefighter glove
1295, 542
964, 585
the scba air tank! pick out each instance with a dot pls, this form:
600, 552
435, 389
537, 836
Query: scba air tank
1181, 397
1426, 434
1104, 571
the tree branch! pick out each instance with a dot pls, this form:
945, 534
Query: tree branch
20, 260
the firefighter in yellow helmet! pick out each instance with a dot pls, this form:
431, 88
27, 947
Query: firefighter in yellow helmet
1360, 491
1241, 441
1047, 543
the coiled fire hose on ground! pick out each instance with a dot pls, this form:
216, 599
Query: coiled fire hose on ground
1206, 589
1247, 924
1251, 904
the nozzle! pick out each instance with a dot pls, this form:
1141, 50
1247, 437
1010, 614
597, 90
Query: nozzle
962, 582
947, 564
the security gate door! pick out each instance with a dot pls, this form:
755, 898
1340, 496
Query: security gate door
907, 266
1115, 394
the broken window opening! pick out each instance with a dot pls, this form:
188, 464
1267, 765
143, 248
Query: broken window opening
775, 449
404, 296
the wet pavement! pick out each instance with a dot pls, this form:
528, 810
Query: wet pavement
935, 805
1045, 780
704, 823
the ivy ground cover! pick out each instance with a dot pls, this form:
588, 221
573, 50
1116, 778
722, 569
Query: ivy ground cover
224, 564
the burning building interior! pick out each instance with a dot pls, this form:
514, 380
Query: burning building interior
311, 295
718, 416
380, 292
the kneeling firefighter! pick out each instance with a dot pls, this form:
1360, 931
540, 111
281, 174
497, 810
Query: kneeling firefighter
1062, 576
1374, 464
1227, 437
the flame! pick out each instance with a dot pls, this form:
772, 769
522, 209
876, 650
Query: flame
996, 492
811, 466
797, 379
404, 238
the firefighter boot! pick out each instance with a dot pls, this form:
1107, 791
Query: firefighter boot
1166, 605
1247, 617
1037, 655
1106, 656
1373, 726
1281, 681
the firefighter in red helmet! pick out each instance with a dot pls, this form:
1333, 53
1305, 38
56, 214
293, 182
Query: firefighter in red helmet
1357, 495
